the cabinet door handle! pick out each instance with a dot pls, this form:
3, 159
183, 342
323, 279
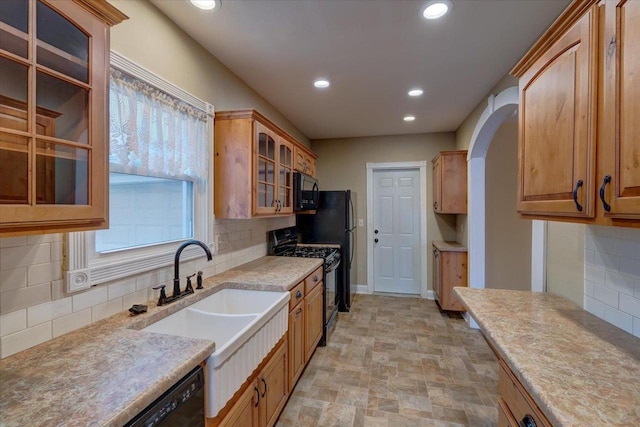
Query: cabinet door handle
299, 311
575, 195
435, 205
257, 395
605, 205
527, 421
265, 386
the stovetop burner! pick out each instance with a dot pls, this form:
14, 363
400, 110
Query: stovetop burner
330, 255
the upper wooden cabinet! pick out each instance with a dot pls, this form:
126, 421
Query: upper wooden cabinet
304, 161
579, 151
450, 182
253, 166
54, 64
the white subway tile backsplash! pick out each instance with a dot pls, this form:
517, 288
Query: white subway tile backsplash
594, 274
606, 295
44, 238
608, 261
27, 338
589, 288
56, 251
13, 278
10, 242
616, 252
122, 288
89, 298
104, 310
620, 282
71, 322
622, 320
24, 297
594, 306
43, 273
630, 305
22, 256
13, 322
48, 311
630, 266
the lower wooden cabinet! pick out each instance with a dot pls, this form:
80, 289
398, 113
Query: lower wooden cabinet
296, 343
313, 324
515, 405
449, 270
263, 396
244, 413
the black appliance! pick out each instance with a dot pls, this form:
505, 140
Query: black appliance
305, 192
181, 405
333, 223
284, 242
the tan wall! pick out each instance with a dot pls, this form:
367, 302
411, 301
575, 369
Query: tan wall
154, 42
565, 260
508, 238
342, 166
463, 140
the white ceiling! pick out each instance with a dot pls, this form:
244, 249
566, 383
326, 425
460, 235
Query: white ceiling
373, 52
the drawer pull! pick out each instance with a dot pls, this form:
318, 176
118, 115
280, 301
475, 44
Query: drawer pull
315, 278
298, 294
527, 421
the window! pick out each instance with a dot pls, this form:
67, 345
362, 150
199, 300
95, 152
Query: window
159, 174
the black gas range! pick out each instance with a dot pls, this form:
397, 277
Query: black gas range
284, 242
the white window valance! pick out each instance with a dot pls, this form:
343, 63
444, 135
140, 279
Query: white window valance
153, 133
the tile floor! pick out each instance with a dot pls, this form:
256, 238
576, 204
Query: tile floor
396, 361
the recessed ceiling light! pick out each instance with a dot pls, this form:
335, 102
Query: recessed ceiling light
205, 4
415, 92
436, 9
409, 118
321, 83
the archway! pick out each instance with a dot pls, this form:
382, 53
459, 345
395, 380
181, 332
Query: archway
500, 107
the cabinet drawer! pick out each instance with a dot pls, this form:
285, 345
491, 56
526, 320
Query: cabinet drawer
297, 294
313, 279
505, 419
517, 400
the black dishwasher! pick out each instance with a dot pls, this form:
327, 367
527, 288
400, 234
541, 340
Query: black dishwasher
182, 405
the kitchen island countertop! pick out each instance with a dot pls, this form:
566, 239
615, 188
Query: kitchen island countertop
107, 372
579, 369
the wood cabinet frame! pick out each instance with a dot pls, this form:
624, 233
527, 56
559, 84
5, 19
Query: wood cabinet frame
94, 18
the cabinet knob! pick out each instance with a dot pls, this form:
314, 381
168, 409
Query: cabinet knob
605, 205
315, 278
527, 421
375, 240
298, 294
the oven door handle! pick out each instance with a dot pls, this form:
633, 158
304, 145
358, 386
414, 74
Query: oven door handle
333, 267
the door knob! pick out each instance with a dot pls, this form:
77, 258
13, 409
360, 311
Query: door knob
375, 240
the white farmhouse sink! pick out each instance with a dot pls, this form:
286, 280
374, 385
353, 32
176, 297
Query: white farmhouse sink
245, 326
238, 301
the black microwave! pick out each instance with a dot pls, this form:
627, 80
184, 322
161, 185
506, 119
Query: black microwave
305, 192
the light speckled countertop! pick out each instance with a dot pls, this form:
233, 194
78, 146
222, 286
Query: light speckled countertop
448, 246
107, 372
580, 370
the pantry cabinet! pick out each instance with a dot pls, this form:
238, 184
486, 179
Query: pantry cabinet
54, 63
579, 149
450, 182
253, 166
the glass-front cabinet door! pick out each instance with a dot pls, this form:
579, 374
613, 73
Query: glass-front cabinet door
54, 59
285, 177
265, 182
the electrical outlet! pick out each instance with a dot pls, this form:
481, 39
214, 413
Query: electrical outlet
360, 222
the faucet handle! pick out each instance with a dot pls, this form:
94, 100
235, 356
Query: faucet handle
189, 287
163, 296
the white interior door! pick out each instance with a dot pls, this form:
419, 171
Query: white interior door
396, 221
